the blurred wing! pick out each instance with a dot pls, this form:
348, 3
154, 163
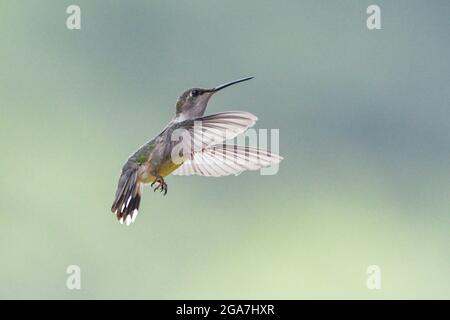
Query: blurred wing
214, 129
224, 160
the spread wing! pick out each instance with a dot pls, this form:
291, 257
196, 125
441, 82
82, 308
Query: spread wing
207, 155
224, 160
195, 135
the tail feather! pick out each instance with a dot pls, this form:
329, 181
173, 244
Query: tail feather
128, 197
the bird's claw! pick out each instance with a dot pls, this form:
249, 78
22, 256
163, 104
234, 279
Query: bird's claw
162, 186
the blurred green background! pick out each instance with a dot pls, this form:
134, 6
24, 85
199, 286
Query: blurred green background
364, 125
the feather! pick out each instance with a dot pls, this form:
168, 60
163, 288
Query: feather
128, 196
223, 160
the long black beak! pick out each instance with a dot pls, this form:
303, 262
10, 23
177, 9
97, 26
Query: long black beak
223, 86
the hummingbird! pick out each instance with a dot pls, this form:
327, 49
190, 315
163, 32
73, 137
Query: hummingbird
212, 157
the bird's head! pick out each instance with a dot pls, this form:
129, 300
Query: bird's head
193, 102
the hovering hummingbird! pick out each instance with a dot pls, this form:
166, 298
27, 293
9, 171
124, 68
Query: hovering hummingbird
154, 160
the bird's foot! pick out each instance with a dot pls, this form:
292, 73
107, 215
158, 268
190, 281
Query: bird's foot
161, 185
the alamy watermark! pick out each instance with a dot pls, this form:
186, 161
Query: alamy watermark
373, 21
73, 281
73, 21
247, 150
373, 281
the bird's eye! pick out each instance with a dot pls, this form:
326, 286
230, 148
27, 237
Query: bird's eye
195, 93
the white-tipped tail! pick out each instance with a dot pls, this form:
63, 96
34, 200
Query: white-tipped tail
128, 197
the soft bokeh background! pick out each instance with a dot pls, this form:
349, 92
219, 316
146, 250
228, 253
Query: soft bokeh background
364, 125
